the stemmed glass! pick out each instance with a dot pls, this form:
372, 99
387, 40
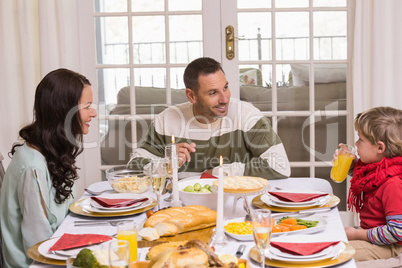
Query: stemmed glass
262, 229
168, 157
158, 172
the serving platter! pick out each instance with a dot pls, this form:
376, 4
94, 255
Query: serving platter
333, 201
78, 209
322, 224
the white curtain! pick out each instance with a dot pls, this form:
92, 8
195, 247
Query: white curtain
377, 54
37, 36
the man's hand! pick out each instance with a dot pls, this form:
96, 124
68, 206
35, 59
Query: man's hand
184, 150
356, 234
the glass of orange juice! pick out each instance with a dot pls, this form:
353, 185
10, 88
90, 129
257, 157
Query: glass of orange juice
127, 231
343, 162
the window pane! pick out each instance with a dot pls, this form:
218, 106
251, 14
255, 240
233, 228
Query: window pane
150, 77
147, 5
112, 40
295, 137
176, 78
329, 3
253, 4
254, 30
291, 97
255, 85
110, 81
185, 34
292, 35
180, 5
331, 132
149, 39
330, 40
291, 3
110, 5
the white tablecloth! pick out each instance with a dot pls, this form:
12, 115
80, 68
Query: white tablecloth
333, 231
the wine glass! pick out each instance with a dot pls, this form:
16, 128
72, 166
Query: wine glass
168, 157
262, 229
158, 172
119, 254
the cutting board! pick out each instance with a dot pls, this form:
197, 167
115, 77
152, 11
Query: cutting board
202, 234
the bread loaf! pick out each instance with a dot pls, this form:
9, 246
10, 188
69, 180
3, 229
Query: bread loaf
176, 220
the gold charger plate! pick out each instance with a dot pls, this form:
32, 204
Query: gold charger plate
345, 256
334, 201
34, 254
77, 209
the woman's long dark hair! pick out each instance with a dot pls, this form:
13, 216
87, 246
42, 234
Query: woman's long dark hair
56, 96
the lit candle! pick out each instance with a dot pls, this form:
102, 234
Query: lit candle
176, 199
219, 217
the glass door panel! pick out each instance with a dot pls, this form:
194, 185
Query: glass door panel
292, 35
255, 37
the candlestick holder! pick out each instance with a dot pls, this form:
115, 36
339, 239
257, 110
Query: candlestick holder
218, 240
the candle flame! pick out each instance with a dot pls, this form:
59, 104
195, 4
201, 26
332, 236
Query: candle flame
220, 160
173, 139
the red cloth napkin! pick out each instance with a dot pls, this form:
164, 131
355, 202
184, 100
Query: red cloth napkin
116, 203
206, 175
296, 197
303, 249
68, 241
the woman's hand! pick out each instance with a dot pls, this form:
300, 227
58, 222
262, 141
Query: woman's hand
184, 150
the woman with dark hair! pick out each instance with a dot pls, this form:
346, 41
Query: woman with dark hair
38, 184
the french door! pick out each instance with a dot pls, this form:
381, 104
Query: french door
287, 57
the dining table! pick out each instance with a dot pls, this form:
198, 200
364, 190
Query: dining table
334, 229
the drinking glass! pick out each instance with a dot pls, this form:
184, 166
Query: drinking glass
262, 229
168, 157
158, 177
346, 155
126, 230
119, 254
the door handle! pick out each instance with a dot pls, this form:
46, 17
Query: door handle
229, 34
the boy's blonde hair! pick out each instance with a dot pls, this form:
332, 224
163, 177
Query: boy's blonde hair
382, 124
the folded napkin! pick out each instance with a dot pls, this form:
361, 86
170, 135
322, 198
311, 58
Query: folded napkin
206, 175
303, 249
116, 203
68, 241
296, 197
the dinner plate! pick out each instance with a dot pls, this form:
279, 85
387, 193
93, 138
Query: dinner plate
312, 201
333, 201
86, 204
76, 208
345, 256
279, 253
267, 199
96, 205
63, 255
322, 224
334, 250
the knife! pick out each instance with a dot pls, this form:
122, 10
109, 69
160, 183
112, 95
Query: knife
240, 251
302, 212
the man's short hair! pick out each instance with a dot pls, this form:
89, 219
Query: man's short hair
382, 124
200, 66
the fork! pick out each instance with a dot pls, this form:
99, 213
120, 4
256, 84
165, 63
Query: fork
95, 193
